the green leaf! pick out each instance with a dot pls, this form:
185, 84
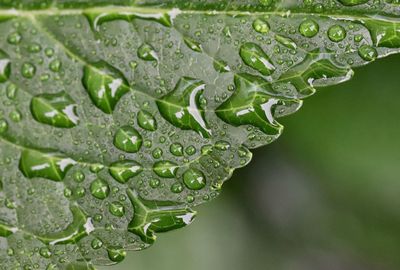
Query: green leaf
118, 117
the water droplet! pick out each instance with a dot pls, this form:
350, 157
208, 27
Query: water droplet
50, 165
14, 38
195, 46
99, 189
28, 70
368, 53
15, 116
166, 169
222, 145
128, 139
57, 110
190, 150
117, 209
352, 2
146, 121
266, 3
194, 179
96, 243
154, 183
147, 53
79, 176
221, 66
261, 26
105, 85
254, 56
3, 126
116, 254
287, 42
5, 67
176, 149
309, 28
182, 107
55, 65
336, 33
177, 187
12, 91
157, 153
123, 171
45, 252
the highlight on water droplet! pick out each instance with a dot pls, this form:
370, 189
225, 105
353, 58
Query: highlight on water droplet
254, 56
123, 171
193, 45
116, 254
57, 110
105, 85
128, 139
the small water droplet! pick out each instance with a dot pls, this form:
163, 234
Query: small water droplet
96, 243
28, 70
194, 45
176, 149
287, 42
117, 209
3, 126
116, 254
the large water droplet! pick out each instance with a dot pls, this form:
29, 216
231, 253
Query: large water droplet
254, 56
287, 42
182, 107
147, 121
122, 171
309, 28
147, 53
50, 165
194, 179
5, 67
100, 189
105, 85
58, 110
336, 33
176, 149
128, 139
166, 169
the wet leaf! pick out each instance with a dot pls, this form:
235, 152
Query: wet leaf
117, 118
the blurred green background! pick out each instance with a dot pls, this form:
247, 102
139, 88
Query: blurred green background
325, 196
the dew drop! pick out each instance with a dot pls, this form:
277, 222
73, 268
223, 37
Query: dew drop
128, 139
96, 243
146, 121
368, 53
55, 65
45, 252
154, 183
221, 66
117, 209
194, 179
123, 171
261, 26
146, 52
116, 254
57, 110
193, 45
166, 169
309, 28
28, 70
5, 67
3, 126
254, 56
287, 42
176, 149
100, 189
176, 188
336, 33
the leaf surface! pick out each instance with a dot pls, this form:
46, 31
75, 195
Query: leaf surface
118, 117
